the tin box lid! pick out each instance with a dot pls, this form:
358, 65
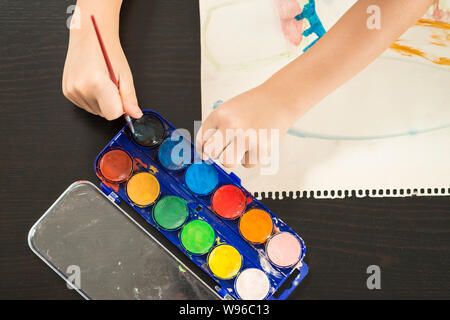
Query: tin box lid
103, 253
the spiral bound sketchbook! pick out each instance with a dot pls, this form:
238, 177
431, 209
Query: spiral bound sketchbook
386, 132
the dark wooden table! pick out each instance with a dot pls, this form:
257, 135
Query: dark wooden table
47, 143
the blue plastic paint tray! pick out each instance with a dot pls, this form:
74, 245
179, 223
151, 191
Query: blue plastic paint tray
172, 182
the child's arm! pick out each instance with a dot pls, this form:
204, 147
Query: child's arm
86, 79
340, 54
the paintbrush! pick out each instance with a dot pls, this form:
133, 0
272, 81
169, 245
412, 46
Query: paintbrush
110, 68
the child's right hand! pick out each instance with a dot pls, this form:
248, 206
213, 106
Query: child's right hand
86, 80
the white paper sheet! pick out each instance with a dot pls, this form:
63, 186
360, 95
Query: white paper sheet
385, 132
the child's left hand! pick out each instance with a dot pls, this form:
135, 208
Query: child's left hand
245, 115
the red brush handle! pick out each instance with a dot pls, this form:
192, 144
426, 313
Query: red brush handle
112, 75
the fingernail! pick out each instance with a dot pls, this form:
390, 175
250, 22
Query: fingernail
140, 113
134, 110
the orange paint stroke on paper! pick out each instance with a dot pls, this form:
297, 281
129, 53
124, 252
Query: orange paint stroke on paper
441, 40
408, 51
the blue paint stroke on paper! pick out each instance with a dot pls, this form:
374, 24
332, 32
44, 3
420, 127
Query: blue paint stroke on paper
310, 135
309, 13
217, 103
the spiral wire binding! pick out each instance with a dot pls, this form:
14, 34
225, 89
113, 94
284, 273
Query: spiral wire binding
359, 193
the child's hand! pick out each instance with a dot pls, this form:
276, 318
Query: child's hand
259, 108
347, 48
86, 80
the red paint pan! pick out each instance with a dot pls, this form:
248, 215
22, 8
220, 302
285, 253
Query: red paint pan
115, 166
228, 202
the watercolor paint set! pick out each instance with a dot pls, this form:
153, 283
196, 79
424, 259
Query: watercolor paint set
202, 210
233, 247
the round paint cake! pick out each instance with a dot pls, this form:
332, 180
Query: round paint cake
228, 202
149, 131
224, 261
171, 154
197, 237
116, 166
256, 225
284, 249
170, 212
143, 189
201, 178
252, 284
